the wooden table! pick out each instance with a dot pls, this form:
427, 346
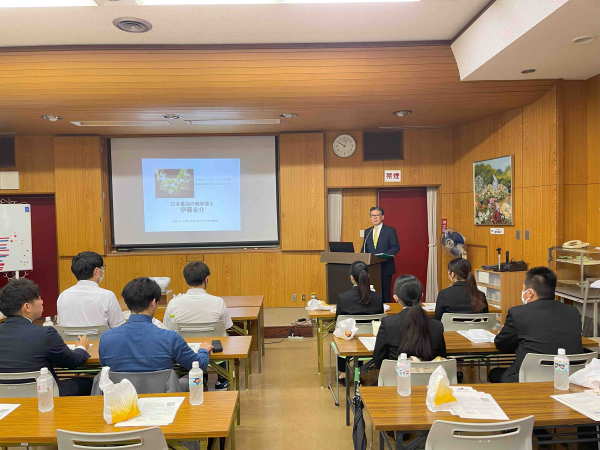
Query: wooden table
26, 426
392, 412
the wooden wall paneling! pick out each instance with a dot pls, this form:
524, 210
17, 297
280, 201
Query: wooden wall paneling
575, 212
263, 274
540, 218
302, 191
225, 273
351, 171
509, 141
356, 204
170, 266
592, 94
447, 162
575, 132
66, 279
462, 145
304, 273
34, 160
78, 194
593, 215
121, 270
422, 165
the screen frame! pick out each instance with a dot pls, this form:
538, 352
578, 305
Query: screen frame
209, 245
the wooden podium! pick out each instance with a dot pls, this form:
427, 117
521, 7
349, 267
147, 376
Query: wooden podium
338, 272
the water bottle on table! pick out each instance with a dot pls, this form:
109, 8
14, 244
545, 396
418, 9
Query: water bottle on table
45, 390
561, 371
196, 384
48, 322
403, 375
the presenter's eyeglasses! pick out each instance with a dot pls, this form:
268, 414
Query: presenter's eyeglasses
375, 215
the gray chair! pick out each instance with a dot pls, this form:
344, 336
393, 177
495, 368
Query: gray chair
419, 374
459, 322
541, 367
145, 439
23, 389
159, 382
208, 329
93, 333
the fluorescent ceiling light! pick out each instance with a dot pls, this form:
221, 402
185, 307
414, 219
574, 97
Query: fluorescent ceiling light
234, 122
123, 123
257, 2
44, 3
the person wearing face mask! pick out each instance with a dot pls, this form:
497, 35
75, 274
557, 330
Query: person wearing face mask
540, 325
86, 303
463, 296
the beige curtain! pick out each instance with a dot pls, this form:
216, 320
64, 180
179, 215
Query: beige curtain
432, 275
334, 214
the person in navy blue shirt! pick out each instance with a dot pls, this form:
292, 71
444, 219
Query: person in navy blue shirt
141, 346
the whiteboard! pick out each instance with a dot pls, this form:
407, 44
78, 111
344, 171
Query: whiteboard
15, 237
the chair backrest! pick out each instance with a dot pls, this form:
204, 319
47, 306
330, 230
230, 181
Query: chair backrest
458, 322
145, 439
208, 329
93, 332
22, 389
541, 367
158, 382
420, 372
513, 435
363, 322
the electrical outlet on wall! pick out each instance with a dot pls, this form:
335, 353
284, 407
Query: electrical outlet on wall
362, 233
303, 297
293, 297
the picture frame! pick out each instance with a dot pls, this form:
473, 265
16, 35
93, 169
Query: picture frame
493, 191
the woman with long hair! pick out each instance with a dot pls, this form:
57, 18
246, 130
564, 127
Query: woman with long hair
462, 296
412, 331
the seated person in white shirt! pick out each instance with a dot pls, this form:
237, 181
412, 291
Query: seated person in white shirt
196, 306
86, 303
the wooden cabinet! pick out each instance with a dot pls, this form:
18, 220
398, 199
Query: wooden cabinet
501, 288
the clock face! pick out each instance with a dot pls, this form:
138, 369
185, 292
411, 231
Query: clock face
344, 145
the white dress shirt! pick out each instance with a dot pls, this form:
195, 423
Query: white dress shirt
87, 304
196, 306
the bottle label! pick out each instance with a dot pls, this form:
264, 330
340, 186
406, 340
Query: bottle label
561, 366
402, 371
43, 386
196, 381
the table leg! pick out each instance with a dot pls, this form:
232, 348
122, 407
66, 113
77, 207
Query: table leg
595, 319
204, 444
236, 365
259, 345
246, 333
320, 349
347, 391
261, 323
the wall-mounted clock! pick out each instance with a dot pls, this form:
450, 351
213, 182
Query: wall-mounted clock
344, 145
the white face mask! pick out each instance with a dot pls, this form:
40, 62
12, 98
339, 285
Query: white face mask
523, 299
102, 277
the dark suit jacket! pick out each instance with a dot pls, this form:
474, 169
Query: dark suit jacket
387, 242
26, 347
348, 305
540, 327
390, 335
454, 299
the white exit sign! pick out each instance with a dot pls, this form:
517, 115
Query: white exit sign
496, 230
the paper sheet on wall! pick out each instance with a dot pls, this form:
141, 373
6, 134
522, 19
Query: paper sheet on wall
6, 409
154, 412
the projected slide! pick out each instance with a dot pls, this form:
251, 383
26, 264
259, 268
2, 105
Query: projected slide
191, 194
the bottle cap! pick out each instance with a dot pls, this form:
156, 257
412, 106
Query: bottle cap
195, 365
48, 319
561, 351
172, 316
44, 371
403, 356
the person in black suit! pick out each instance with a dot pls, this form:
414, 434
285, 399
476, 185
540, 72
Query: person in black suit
541, 325
26, 347
463, 296
357, 301
412, 331
382, 239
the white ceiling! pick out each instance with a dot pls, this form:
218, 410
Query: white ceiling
240, 24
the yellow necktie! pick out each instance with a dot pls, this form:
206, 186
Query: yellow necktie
375, 236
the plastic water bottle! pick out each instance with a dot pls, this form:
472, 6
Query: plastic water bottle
48, 322
173, 322
561, 371
45, 391
403, 375
196, 384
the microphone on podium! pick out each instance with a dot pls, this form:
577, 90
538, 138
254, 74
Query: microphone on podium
365, 243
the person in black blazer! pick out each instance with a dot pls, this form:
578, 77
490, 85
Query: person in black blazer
463, 296
412, 331
541, 325
382, 239
359, 300
26, 347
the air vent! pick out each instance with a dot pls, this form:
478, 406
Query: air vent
235, 122
123, 123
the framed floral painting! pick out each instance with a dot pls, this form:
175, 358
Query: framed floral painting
492, 191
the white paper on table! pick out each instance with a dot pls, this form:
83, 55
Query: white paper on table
484, 277
155, 411
7, 408
72, 346
428, 306
595, 284
477, 405
477, 336
586, 403
386, 307
195, 346
368, 342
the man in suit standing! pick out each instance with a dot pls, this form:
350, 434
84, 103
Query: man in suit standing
540, 325
27, 347
382, 239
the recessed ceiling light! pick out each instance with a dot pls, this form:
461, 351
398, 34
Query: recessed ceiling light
44, 3
288, 115
528, 71
52, 118
171, 116
132, 24
402, 113
258, 2
583, 39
